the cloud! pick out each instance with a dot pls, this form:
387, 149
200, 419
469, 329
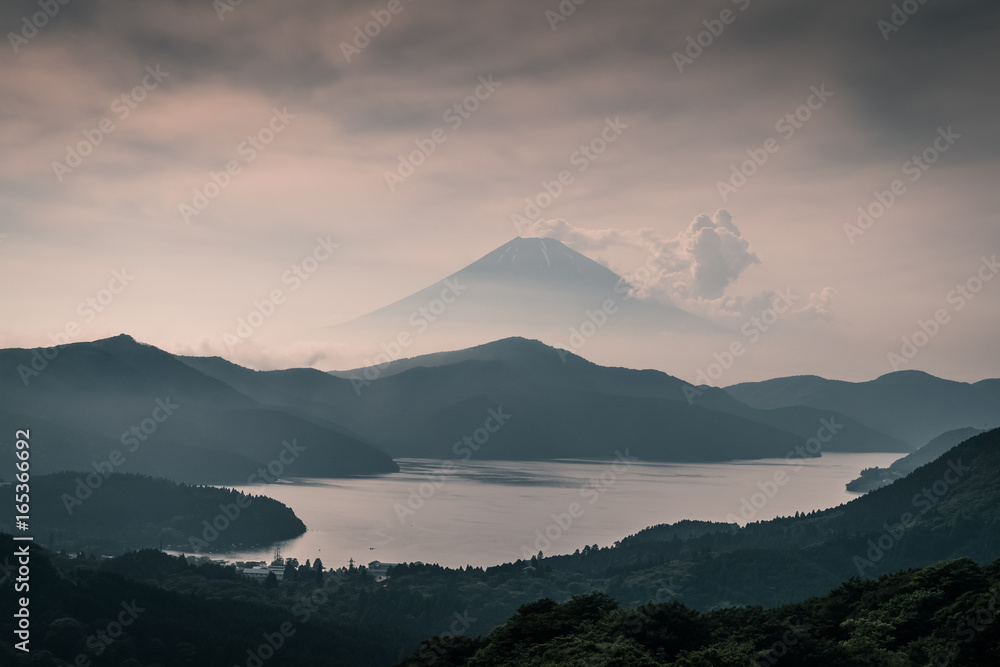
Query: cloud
266, 356
819, 306
697, 264
692, 270
703, 260
592, 239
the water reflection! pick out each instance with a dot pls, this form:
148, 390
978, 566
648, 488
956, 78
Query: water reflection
487, 512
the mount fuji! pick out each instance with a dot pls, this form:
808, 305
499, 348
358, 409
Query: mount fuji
527, 287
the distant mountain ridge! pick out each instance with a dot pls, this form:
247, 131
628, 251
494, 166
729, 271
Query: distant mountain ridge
561, 405
122, 406
230, 421
910, 405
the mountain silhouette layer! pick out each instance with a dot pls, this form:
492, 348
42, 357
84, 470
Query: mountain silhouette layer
560, 406
910, 405
873, 478
115, 405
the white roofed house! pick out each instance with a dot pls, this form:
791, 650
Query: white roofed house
380, 570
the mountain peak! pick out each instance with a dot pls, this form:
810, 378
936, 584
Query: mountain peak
120, 342
120, 338
536, 258
905, 377
533, 285
512, 349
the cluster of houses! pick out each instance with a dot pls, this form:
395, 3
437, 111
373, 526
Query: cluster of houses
260, 572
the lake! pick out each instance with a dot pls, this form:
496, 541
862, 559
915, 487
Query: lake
489, 512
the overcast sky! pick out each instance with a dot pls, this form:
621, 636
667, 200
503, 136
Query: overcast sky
114, 114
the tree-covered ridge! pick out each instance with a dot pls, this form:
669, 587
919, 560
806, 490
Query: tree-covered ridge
84, 612
874, 478
944, 510
946, 614
107, 515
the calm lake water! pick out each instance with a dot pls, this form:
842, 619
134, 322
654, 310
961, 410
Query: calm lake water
487, 512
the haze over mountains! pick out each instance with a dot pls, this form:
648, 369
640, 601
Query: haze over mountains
534, 287
88, 401
910, 405
560, 406
200, 419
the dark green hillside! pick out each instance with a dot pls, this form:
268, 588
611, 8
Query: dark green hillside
944, 614
947, 509
80, 512
75, 604
873, 478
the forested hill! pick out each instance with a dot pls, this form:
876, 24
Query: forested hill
79, 512
873, 478
947, 509
83, 612
945, 614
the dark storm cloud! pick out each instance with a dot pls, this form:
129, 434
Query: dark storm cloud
934, 70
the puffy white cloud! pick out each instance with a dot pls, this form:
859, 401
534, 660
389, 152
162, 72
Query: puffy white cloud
692, 270
704, 259
697, 264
